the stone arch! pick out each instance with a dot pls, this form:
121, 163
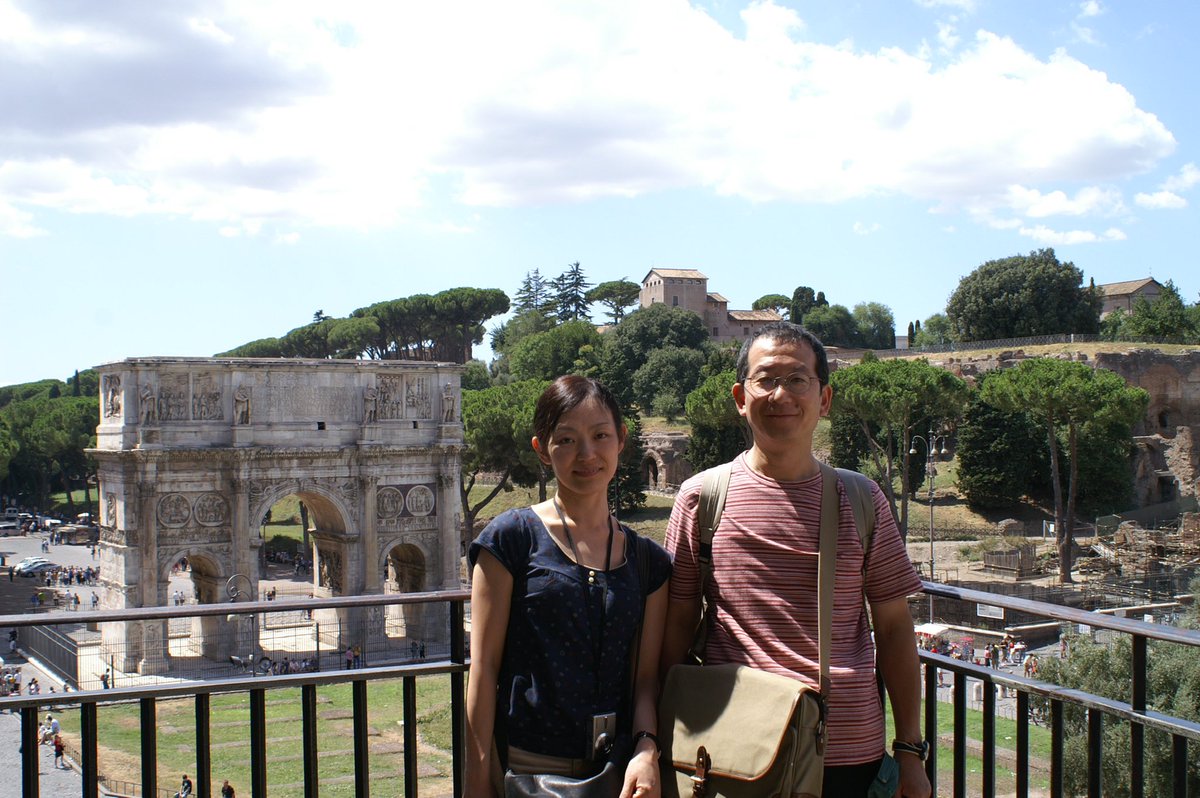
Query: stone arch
405, 569
654, 470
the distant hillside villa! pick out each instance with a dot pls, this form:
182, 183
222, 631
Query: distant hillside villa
1124, 295
688, 288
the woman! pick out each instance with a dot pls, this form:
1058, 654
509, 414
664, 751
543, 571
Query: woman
555, 603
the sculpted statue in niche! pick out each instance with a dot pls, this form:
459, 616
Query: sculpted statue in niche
112, 395
330, 572
147, 404
449, 403
241, 405
370, 405
110, 509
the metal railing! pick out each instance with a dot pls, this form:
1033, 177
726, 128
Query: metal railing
1031, 694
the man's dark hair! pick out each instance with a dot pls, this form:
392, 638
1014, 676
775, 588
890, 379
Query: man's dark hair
788, 333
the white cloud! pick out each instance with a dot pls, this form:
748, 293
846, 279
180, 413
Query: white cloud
1090, 8
1160, 200
947, 36
287, 239
864, 229
1087, 201
1188, 177
965, 5
17, 223
289, 113
1045, 235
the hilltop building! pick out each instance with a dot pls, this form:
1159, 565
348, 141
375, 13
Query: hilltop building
688, 288
1124, 295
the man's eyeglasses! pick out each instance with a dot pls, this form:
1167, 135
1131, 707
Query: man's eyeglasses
795, 383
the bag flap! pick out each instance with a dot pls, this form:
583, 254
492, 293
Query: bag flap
739, 714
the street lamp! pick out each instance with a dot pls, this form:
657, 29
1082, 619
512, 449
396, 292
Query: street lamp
931, 451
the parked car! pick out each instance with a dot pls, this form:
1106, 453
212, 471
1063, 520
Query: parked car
28, 562
8, 526
38, 568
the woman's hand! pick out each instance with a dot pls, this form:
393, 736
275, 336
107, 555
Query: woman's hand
641, 774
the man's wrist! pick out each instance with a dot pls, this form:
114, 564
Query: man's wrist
919, 749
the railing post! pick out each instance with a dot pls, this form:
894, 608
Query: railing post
410, 737
308, 709
362, 751
203, 747
88, 750
149, 730
1056, 748
458, 706
1179, 765
1137, 732
29, 752
960, 735
989, 739
1095, 745
258, 742
931, 730
1022, 744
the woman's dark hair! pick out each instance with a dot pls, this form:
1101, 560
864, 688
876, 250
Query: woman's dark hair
564, 395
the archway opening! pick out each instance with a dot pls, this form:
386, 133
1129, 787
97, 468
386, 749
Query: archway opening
405, 571
650, 472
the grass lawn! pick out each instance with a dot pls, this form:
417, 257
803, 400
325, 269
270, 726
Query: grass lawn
230, 733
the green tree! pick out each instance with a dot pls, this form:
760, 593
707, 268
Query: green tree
550, 354
935, 332
616, 296
629, 344
1165, 319
1001, 456
803, 300
834, 325
776, 302
718, 432
912, 333
848, 446
669, 372
263, 347
570, 294
1062, 396
475, 377
1022, 296
352, 336
890, 398
876, 325
497, 430
536, 293
627, 491
460, 314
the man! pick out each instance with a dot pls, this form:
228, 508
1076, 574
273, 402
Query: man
185, 787
763, 585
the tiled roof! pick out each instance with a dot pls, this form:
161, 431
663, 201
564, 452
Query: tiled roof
754, 315
713, 296
685, 274
1127, 287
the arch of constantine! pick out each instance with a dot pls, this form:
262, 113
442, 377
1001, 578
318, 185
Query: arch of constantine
193, 452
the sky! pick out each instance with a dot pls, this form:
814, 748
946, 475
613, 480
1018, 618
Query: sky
180, 178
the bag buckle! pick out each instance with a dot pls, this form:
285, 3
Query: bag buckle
700, 777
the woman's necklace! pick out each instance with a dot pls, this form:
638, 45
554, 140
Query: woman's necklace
575, 552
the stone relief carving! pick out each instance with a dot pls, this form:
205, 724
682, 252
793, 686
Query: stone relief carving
112, 395
417, 401
241, 405
110, 509
330, 571
147, 405
173, 397
449, 404
206, 399
174, 510
370, 405
211, 509
419, 501
391, 398
117, 537
389, 502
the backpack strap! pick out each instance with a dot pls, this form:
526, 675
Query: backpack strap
826, 571
714, 486
858, 493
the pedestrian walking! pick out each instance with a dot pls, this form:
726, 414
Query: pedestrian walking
58, 752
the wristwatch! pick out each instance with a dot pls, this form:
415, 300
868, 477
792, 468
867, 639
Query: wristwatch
920, 749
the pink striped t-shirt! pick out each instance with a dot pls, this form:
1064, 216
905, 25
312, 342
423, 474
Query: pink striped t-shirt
764, 589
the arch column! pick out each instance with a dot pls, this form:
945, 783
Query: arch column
243, 629
155, 654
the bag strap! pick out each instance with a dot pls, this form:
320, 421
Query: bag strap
827, 570
858, 493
